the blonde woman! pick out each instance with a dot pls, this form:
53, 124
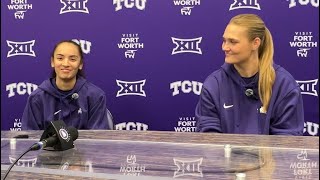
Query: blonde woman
250, 94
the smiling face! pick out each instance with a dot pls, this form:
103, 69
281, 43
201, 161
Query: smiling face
236, 45
66, 62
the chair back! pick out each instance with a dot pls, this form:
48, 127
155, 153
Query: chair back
110, 120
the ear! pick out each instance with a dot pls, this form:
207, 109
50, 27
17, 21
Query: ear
81, 66
256, 43
52, 64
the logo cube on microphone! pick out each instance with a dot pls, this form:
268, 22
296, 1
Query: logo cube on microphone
61, 138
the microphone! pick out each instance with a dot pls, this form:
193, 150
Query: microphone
75, 96
250, 93
57, 137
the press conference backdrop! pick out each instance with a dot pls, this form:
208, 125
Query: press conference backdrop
149, 56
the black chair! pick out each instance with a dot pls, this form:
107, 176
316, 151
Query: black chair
110, 120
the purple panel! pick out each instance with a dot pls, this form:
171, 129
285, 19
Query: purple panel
135, 43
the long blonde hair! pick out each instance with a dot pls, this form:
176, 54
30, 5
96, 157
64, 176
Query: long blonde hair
256, 28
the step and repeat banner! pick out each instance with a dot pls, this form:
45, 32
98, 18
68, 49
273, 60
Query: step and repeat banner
149, 56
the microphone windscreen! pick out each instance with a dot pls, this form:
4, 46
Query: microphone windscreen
75, 96
73, 133
249, 92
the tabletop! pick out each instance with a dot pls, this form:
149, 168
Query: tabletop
103, 154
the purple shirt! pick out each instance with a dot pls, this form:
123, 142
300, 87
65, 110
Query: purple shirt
224, 106
84, 107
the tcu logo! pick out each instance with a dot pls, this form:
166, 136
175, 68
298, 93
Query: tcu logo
21, 88
85, 45
188, 168
186, 87
308, 87
247, 4
311, 128
21, 48
134, 88
70, 6
314, 3
132, 126
139, 4
186, 45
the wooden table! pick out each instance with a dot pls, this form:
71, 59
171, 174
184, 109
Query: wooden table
164, 155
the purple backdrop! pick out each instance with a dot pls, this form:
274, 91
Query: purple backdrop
149, 56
